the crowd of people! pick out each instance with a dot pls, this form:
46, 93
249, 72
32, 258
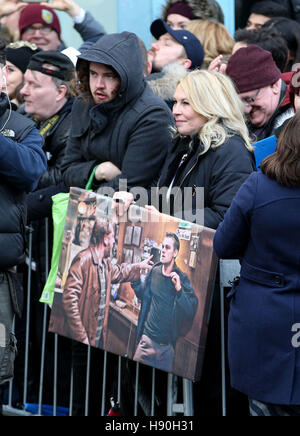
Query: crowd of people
185, 113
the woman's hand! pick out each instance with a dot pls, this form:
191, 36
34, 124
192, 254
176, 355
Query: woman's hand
216, 65
146, 264
176, 281
68, 6
121, 202
10, 7
107, 171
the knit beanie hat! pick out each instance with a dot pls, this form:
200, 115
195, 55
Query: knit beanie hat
35, 13
203, 9
19, 54
182, 8
252, 68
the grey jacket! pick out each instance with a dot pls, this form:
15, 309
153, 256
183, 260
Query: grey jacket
21, 165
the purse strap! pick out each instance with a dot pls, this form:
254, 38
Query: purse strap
89, 184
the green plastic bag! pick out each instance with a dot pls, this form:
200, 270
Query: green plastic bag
59, 213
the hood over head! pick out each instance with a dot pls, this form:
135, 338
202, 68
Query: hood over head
122, 52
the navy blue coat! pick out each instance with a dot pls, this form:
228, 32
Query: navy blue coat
22, 163
262, 228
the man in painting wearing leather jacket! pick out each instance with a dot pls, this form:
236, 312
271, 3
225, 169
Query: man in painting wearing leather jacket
168, 301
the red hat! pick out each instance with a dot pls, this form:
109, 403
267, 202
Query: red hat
181, 8
252, 68
36, 13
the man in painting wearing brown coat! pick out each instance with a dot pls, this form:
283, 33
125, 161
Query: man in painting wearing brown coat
86, 294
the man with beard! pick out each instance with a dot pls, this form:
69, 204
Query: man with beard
168, 303
171, 56
86, 294
117, 121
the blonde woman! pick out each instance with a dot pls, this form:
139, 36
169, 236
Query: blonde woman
214, 37
211, 148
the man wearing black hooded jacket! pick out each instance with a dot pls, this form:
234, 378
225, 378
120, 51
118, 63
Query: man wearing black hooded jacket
117, 122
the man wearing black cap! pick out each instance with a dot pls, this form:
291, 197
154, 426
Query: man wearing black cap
179, 46
171, 56
48, 98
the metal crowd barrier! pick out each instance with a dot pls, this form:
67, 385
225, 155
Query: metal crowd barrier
228, 270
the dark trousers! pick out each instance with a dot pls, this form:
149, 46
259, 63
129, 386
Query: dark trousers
7, 340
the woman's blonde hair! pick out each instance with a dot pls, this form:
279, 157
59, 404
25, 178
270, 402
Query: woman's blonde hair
213, 96
214, 37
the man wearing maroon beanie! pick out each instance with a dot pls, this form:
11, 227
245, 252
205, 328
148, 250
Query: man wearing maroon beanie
259, 84
39, 24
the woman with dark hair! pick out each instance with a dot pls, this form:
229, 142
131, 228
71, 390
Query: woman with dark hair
18, 55
261, 228
290, 31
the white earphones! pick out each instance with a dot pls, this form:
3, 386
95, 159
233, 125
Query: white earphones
10, 108
5, 83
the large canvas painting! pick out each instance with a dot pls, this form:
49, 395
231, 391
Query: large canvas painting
137, 285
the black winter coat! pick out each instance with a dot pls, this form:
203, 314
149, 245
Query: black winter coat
131, 131
55, 132
21, 165
55, 142
220, 171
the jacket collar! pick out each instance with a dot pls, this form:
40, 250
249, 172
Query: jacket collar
164, 84
105, 262
175, 269
4, 103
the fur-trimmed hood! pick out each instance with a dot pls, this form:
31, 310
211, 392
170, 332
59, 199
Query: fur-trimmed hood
205, 9
164, 84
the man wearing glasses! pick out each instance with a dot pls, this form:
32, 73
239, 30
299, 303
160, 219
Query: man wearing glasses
263, 92
39, 24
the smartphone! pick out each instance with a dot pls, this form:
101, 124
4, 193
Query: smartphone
155, 252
